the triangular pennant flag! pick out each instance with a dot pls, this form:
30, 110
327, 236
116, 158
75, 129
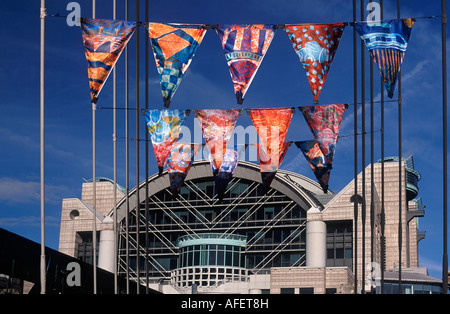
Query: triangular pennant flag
164, 127
244, 47
272, 126
387, 42
174, 46
325, 122
179, 163
226, 171
217, 127
315, 45
316, 161
104, 41
269, 163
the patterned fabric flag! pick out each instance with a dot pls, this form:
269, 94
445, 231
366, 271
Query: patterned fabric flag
104, 41
174, 46
325, 122
272, 126
164, 127
387, 42
316, 161
226, 171
179, 163
244, 47
217, 127
316, 46
269, 163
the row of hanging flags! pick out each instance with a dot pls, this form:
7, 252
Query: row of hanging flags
174, 46
217, 126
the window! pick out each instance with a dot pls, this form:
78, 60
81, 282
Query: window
287, 291
85, 247
339, 244
306, 290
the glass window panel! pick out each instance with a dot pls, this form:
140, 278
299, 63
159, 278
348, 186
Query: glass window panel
236, 259
220, 258
229, 258
196, 258
212, 257
348, 253
189, 259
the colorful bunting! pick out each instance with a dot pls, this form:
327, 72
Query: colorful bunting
269, 163
164, 127
179, 163
217, 127
324, 122
316, 161
224, 175
104, 41
387, 42
174, 46
244, 47
316, 45
272, 126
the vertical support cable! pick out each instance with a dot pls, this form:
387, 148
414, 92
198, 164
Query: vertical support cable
127, 175
444, 139
94, 185
355, 147
382, 218
372, 187
363, 157
42, 144
400, 229
115, 159
146, 152
138, 269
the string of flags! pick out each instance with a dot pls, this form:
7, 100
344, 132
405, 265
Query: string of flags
217, 126
174, 47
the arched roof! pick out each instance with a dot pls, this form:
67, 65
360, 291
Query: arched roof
304, 191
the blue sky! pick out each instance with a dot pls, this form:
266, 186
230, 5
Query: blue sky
280, 82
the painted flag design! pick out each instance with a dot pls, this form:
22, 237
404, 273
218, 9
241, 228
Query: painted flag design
104, 41
174, 47
179, 163
217, 127
316, 160
387, 42
270, 163
245, 47
315, 46
164, 127
272, 126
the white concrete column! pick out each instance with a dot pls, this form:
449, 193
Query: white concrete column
316, 239
106, 247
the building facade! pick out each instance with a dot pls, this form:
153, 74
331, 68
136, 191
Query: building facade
292, 238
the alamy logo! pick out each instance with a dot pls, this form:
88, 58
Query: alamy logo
374, 274
375, 12
74, 274
73, 18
